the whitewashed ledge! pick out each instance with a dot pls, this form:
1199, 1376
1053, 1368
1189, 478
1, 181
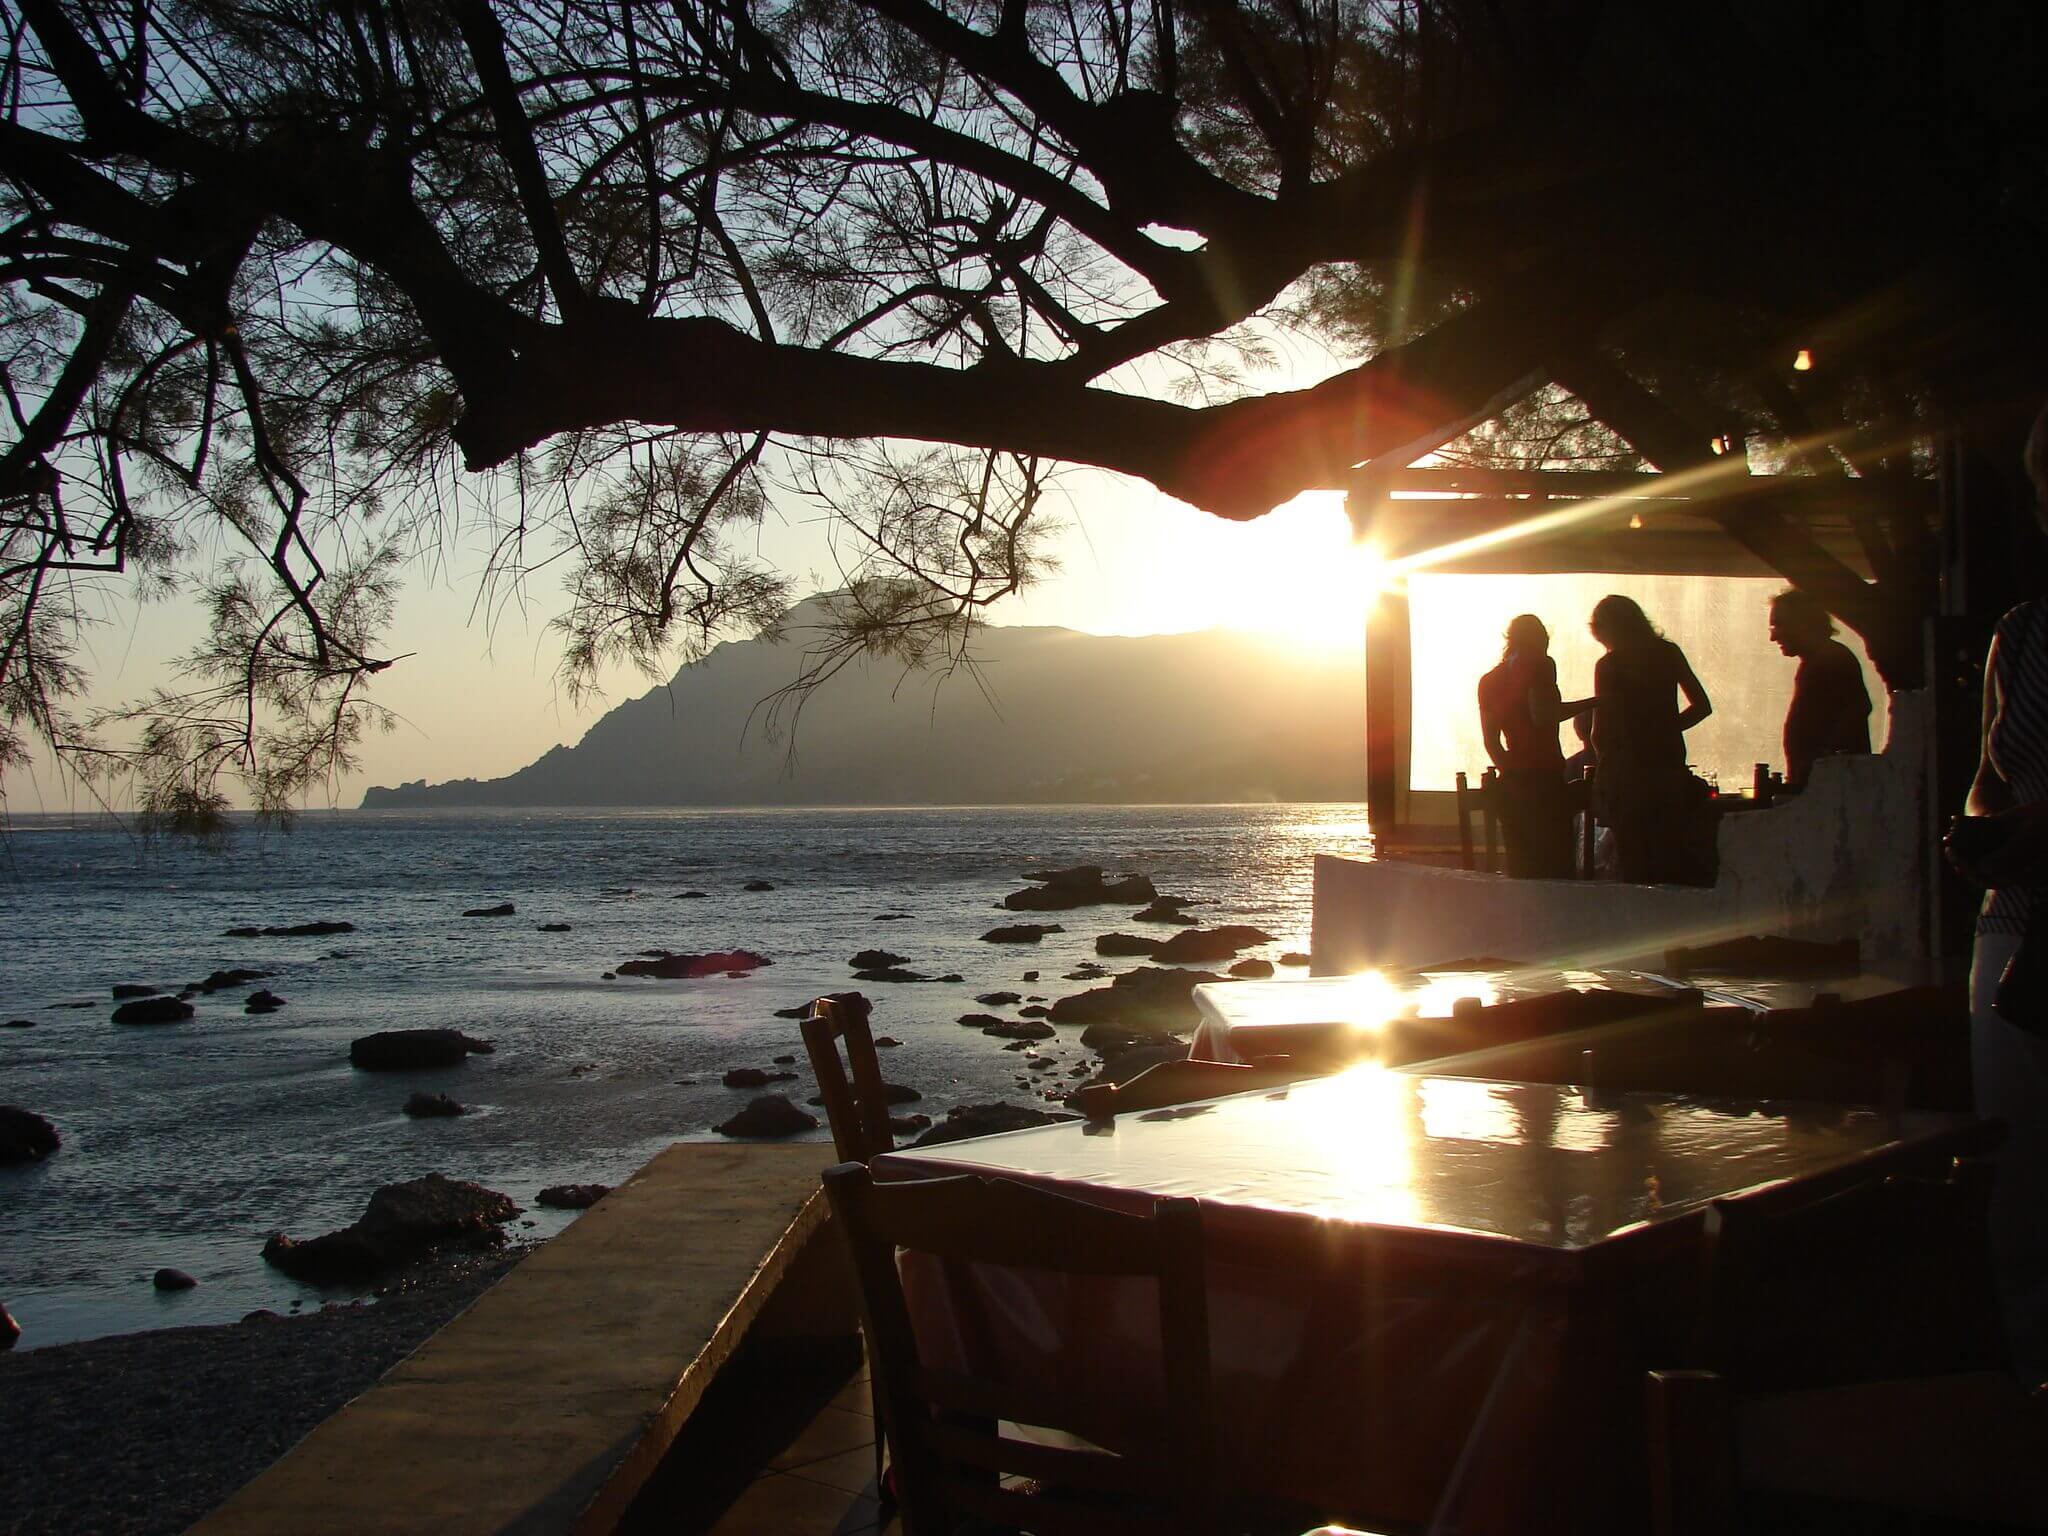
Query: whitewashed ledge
1845, 859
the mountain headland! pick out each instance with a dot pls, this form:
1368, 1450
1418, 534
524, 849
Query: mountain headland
1050, 716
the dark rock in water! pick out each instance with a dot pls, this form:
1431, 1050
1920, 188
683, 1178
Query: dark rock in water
978, 1020
876, 959
1020, 933
10, 1330
891, 917
903, 1125
572, 1197
153, 1010
997, 999
172, 1280
1019, 1029
952, 976
84, 1002
25, 1136
502, 909
402, 1222
1116, 944
127, 989
263, 1315
552, 928
1121, 1066
1252, 970
691, 895
1034, 1011
1165, 909
667, 967
291, 931
1203, 945
896, 1093
965, 1120
609, 976
1018, 1045
1061, 890
19, 1024
1029, 976
755, 1077
769, 1115
1294, 957
1088, 970
1150, 997
224, 981
761, 885
800, 1011
1479, 963
399, 1050
262, 1001
433, 1106
884, 1042
1110, 1040
889, 973
785, 1061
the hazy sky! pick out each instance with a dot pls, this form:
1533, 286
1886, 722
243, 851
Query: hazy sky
479, 700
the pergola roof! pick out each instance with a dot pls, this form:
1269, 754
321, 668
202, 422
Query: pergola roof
1602, 522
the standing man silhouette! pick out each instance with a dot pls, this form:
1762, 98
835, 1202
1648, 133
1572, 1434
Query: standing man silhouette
1830, 710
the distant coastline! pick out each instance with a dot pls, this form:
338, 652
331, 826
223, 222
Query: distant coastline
1052, 717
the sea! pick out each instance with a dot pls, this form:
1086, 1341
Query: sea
185, 1145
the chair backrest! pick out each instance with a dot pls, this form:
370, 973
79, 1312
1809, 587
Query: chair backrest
945, 1426
1483, 801
1854, 1279
856, 1104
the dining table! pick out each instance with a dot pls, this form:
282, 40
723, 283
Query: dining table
1391, 1016
1431, 1298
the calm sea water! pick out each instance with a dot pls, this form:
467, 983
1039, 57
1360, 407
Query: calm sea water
186, 1144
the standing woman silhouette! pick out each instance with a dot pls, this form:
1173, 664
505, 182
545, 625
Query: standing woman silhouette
2009, 1020
1519, 711
1663, 824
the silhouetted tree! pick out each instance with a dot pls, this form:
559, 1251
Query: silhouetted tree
293, 291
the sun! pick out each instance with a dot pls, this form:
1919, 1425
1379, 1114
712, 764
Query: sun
1304, 578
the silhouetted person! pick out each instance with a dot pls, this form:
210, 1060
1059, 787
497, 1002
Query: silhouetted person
2008, 1016
1830, 711
1519, 711
1662, 820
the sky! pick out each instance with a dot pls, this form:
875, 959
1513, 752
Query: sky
477, 695
481, 700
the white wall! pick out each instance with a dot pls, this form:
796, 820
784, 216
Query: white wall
1846, 858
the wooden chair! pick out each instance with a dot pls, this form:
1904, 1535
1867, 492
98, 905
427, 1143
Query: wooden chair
953, 1463
1885, 1409
1967, 1447
1858, 1278
1484, 802
856, 1106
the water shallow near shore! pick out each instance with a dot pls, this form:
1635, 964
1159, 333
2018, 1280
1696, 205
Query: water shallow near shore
187, 1144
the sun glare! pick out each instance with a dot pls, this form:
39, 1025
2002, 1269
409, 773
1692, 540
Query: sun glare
1308, 581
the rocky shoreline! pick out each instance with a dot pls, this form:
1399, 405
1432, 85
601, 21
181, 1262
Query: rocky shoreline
142, 1433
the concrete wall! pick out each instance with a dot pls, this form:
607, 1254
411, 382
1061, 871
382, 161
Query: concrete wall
1845, 858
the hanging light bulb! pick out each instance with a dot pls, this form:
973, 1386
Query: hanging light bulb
1719, 445
1803, 362
1635, 519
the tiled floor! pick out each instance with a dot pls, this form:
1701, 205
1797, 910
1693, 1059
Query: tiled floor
822, 1483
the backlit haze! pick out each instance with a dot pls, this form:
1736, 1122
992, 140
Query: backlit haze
478, 696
